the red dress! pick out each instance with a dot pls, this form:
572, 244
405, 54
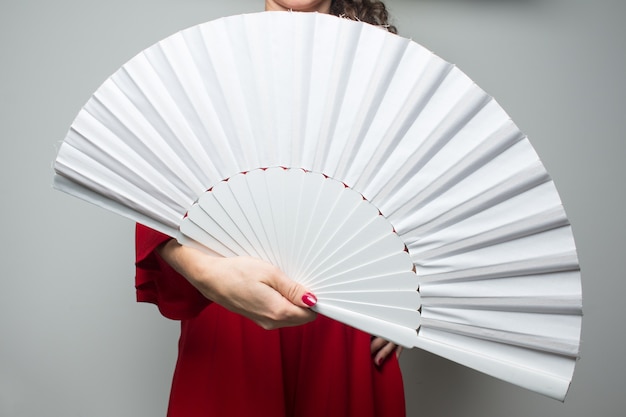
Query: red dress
229, 366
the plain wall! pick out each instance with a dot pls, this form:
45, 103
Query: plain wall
73, 342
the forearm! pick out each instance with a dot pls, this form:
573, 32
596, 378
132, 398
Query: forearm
199, 268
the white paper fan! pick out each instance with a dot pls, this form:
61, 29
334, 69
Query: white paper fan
351, 158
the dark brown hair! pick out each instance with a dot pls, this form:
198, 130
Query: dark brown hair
368, 11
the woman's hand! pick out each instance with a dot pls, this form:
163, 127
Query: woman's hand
244, 285
381, 349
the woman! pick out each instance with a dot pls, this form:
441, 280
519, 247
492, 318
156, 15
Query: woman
249, 344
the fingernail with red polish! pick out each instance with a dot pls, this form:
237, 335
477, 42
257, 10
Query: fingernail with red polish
309, 299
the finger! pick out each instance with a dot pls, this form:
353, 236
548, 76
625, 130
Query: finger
377, 344
383, 353
293, 291
276, 311
398, 351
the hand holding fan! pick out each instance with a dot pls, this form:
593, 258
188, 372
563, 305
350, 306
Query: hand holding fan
358, 162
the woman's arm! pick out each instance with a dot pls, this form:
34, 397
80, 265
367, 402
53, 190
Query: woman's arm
244, 285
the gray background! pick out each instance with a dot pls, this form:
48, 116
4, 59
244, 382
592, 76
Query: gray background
72, 340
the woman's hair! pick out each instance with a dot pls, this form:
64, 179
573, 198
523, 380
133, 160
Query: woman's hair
368, 11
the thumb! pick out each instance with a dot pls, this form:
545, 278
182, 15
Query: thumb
295, 292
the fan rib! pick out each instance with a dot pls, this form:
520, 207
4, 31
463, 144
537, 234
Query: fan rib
323, 224
259, 196
275, 182
370, 267
403, 299
392, 332
189, 230
405, 317
392, 281
251, 223
386, 247
356, 227
233, 206
306, 229
210, 211
289, 189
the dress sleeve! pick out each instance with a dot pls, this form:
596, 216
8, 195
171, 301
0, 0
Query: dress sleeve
158, 283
